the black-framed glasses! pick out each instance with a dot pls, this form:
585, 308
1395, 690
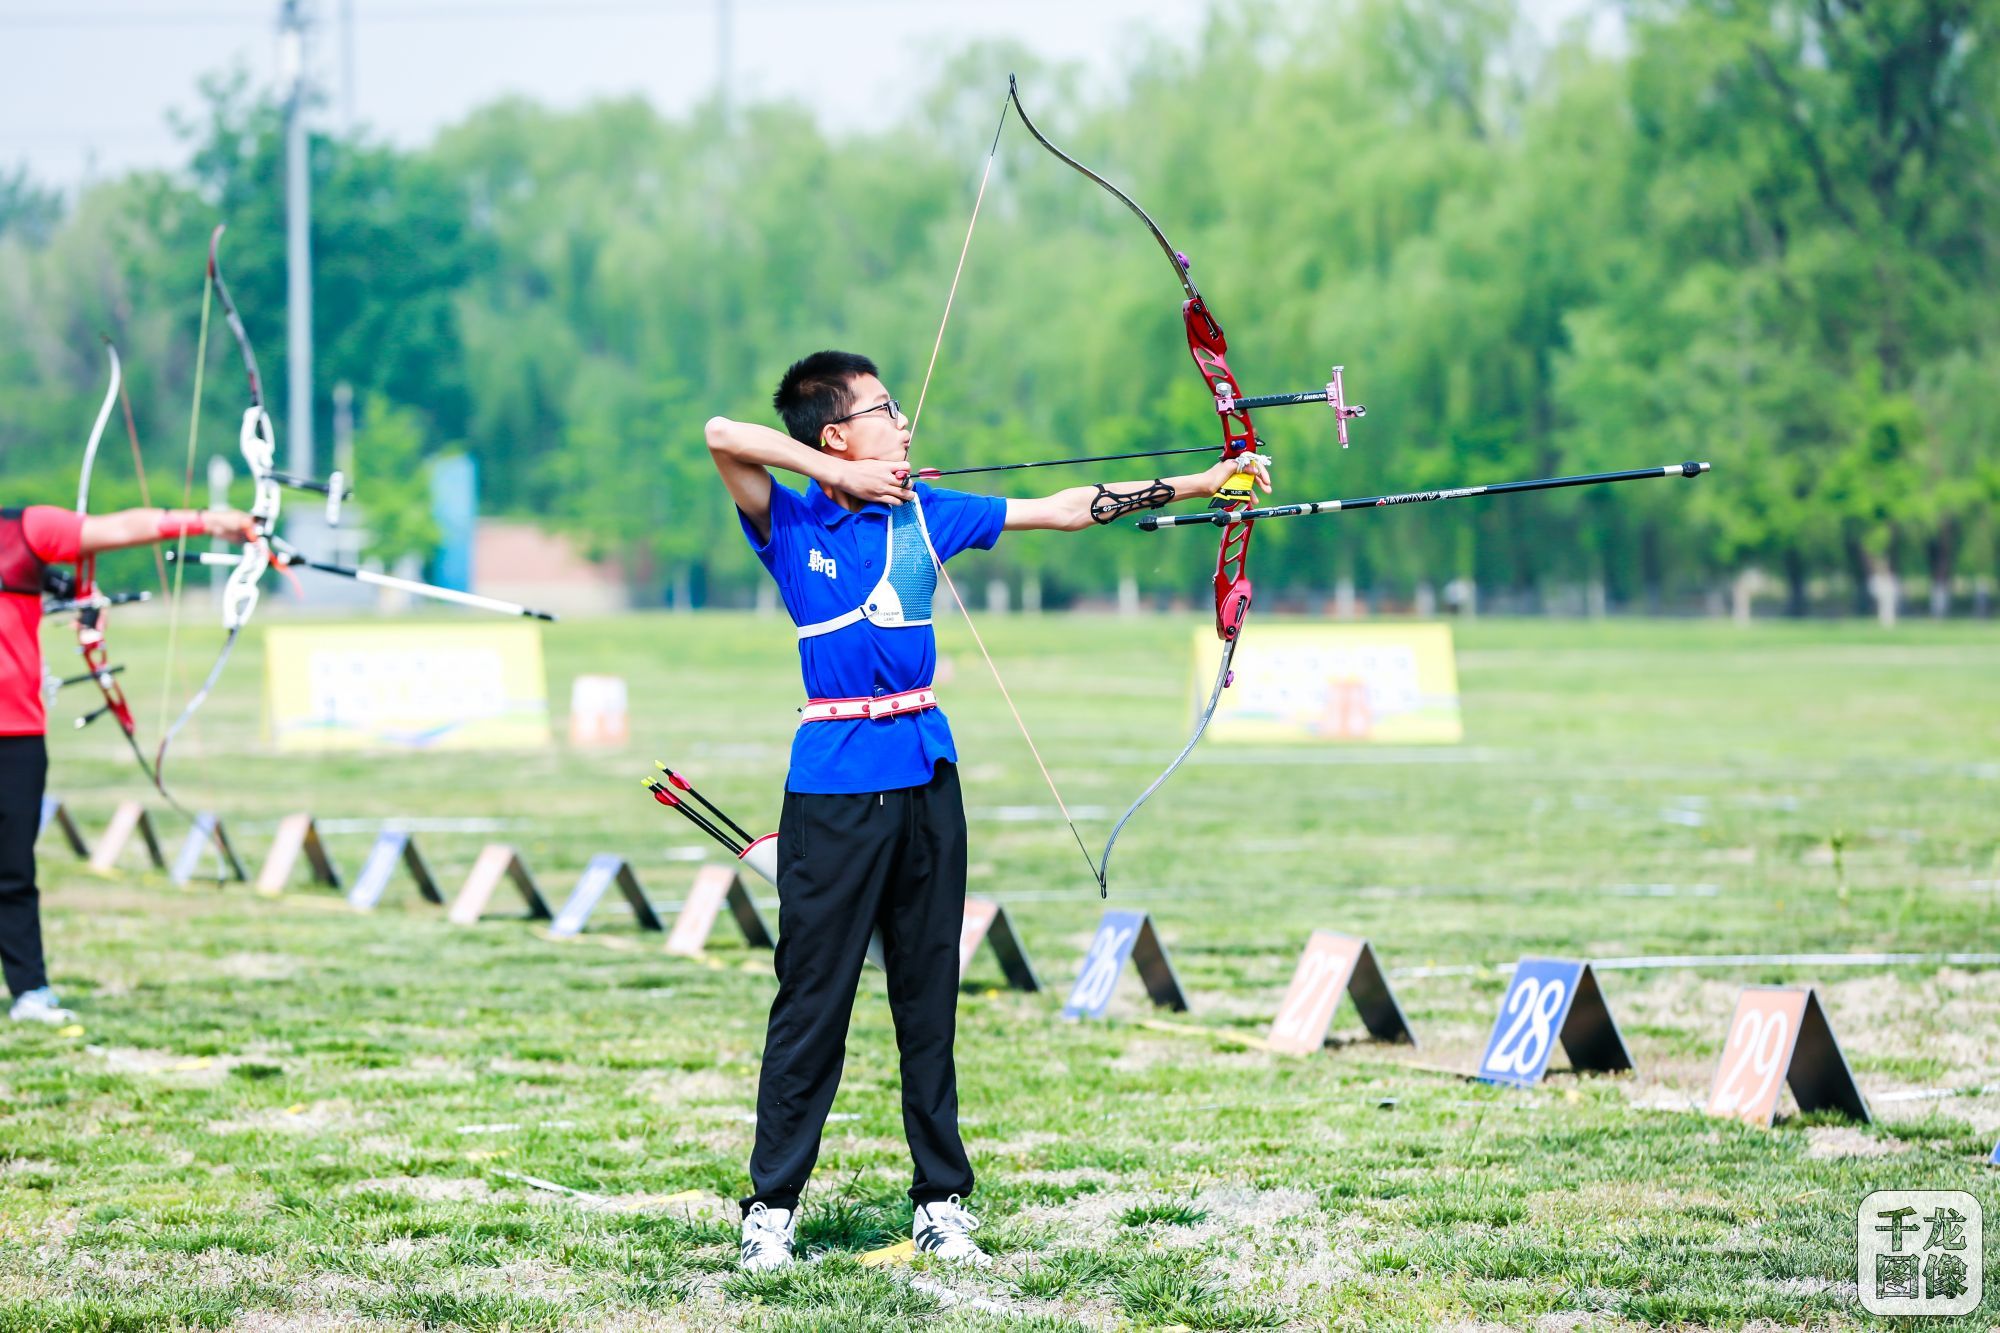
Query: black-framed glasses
892, 407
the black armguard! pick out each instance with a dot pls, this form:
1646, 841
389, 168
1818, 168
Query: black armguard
1108, 506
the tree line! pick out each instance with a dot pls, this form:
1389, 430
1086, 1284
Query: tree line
1757, 232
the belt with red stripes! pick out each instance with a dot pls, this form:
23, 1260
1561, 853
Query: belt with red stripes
881, 705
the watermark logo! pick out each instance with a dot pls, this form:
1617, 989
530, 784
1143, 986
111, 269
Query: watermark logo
1922, 1252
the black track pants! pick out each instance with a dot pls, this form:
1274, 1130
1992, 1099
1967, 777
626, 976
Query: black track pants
846, 863
24, 773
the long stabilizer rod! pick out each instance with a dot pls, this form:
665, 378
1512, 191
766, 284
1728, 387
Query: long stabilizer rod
430, 590
1153, 522
292, 560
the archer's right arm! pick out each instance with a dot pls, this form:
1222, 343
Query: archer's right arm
744, 453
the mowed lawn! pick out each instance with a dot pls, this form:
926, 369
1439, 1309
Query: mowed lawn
282, 1114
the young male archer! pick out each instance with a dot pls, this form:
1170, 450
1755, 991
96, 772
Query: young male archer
32, 540
873, 827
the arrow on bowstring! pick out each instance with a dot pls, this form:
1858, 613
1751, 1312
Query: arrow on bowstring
931, 473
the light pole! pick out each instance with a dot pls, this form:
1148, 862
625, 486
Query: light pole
294, 20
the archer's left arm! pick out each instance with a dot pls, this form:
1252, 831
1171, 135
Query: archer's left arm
1079, 507
137, 527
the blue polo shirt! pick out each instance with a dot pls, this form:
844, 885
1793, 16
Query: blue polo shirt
826, 561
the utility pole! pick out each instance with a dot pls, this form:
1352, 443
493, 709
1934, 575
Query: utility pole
293, 22
722, 58
347, 65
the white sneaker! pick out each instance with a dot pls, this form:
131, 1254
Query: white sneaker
767, 1237
944, 1230
39, 1006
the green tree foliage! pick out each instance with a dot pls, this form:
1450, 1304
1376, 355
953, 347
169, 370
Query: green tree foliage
392, 439
26, 209
1755, 231
1810, 240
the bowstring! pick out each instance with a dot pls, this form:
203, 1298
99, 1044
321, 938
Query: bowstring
159, 571
924, 527
139, 468
187, 498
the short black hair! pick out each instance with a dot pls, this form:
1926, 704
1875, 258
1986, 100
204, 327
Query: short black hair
818, 390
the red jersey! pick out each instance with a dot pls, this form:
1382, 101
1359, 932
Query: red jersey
51, 536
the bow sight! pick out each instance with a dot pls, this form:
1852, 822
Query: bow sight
1332, 395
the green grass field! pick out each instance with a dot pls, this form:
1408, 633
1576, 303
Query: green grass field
281, 1114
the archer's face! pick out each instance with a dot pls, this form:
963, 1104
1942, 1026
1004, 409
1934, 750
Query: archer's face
874, 428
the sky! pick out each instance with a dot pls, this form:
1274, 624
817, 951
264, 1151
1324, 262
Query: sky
87, 86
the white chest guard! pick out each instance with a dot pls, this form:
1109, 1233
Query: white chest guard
901, 598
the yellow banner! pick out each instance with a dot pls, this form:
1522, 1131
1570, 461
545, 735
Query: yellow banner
340, 688
1315, 684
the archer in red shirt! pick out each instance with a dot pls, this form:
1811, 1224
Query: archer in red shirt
31, 540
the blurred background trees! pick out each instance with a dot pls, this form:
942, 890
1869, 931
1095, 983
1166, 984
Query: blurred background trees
1760, 232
